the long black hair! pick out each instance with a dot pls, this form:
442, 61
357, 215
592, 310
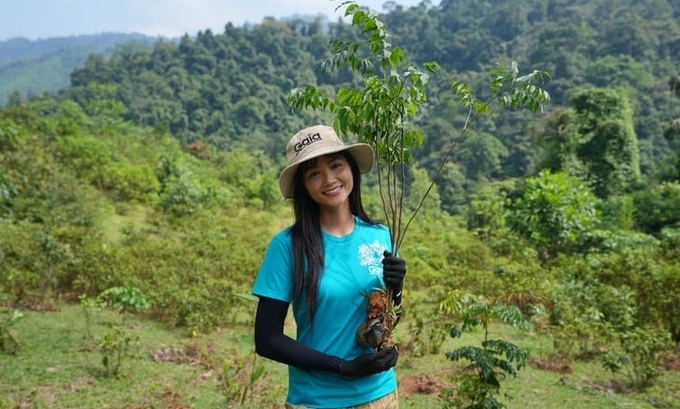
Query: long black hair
306, 233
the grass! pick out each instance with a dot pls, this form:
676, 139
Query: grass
59, 366
122, 218
589, 385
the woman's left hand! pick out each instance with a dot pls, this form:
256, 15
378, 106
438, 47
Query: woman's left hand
394, 271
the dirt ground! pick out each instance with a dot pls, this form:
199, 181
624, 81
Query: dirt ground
673, 363
426, 384
552, 365
421, 384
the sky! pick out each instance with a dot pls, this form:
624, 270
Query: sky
41, 19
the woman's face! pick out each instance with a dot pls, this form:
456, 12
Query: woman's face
329, 181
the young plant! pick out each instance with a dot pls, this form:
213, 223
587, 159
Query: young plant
9, 338
89, 306
613, 362
382, 113
426, 332
117, 343
115, 346
124, 300
492, 361
239, 378
641, 356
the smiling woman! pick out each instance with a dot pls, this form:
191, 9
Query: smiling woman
328, 180
323, 265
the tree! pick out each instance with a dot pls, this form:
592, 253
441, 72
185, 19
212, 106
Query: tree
594, 140
610, 147
672, 130
453, 188
657, 208
481, 154
7, 194
555, 214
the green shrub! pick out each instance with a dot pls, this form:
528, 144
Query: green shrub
130, 182
555, 214
657, 207
491, 362
639, 356
9, 337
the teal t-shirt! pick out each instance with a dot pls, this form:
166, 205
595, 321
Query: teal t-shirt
353, 267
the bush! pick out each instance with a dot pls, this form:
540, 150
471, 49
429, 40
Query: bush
657, 207
556, 213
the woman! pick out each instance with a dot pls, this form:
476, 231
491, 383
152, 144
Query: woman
325, 264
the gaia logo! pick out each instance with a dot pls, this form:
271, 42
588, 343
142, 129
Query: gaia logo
310, 139
371, 255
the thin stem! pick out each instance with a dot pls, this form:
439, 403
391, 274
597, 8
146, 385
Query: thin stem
402, 167
392, 187
468, 123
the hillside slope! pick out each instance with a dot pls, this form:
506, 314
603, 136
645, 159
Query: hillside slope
32, 67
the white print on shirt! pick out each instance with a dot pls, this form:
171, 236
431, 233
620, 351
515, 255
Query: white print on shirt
371, 255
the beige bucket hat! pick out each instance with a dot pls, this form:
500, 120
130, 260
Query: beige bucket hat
317, 141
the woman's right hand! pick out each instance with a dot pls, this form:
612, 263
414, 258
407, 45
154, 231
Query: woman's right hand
369, 364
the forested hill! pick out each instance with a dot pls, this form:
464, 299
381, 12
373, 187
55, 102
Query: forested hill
31, 67
231, 87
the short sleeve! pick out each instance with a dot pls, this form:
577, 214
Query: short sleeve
275, 279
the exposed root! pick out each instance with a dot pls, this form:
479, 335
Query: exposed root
376, 330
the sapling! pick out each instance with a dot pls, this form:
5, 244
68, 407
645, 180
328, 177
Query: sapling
124, 300
89, 305
117, 342
495, 359
382, 114
9, 338
240, 376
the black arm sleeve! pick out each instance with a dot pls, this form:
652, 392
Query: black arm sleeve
272, 343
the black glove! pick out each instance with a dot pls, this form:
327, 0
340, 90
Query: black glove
369, 364
394, 271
